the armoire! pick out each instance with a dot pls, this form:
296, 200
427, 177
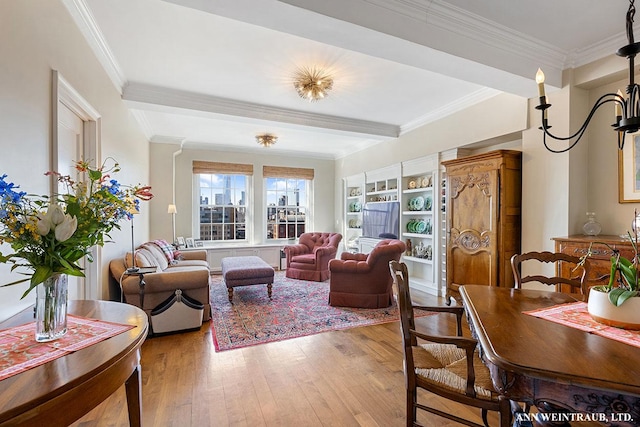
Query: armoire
483, 219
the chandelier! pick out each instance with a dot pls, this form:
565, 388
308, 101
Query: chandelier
312, 84
266, 139
627, 110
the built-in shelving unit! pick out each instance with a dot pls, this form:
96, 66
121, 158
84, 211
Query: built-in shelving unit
420, 222
353, 204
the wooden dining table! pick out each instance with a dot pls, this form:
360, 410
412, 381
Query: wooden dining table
61, 391
557, 368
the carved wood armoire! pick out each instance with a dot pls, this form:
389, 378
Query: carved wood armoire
483, 219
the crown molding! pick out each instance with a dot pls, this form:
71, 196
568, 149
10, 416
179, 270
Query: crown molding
448, 109
141, 118
173, 98
84, 20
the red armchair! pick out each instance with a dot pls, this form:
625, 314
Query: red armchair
364, 281
309, 259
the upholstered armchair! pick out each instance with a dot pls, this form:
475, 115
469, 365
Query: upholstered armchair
309, 259
364, 281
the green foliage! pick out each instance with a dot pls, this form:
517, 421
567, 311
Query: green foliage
49, 235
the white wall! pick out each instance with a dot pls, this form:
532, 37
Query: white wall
37, 36
162, 156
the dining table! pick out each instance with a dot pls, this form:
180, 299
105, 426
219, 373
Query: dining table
62, 390
570, 375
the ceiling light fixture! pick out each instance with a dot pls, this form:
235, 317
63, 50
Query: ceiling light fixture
627, 111
312, 84
266, 139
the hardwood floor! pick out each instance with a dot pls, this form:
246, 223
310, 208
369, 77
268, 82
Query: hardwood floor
342, 378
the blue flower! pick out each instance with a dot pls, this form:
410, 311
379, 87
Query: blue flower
7, 195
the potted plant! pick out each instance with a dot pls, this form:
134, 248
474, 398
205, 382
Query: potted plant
616, 303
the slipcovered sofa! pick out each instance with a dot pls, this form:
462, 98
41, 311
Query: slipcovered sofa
187, 271
309, 259
364, 280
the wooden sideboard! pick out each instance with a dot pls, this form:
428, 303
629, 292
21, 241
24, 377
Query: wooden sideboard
600, 259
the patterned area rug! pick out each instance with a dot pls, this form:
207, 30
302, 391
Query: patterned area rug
297, 308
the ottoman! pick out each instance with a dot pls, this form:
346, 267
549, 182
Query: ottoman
244, 271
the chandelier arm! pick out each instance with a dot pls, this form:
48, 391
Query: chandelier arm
601, 101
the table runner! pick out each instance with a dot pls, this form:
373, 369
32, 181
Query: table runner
19, 351
575, 315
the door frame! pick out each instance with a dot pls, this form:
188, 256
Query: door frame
62, 91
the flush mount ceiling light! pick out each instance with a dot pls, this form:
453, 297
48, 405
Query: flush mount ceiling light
627, 110
266, 139
312, 84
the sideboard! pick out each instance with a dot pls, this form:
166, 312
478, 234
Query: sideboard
600, 259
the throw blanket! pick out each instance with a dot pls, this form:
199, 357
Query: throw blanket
168, 249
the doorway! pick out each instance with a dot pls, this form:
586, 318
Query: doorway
75, 136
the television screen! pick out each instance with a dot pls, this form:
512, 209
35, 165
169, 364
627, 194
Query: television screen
381, 220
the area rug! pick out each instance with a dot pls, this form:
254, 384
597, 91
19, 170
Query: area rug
297, 308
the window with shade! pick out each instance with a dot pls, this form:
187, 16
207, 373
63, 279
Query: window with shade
287, 194
223, 200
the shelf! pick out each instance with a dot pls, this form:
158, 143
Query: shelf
378, 193
417, 212
422, 236
417, 190
354, 213
420, 260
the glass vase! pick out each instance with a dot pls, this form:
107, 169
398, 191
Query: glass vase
51, 308
591, 227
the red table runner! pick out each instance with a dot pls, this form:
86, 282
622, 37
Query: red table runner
19, 351
575, 315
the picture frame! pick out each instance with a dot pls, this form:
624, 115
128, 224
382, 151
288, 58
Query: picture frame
199, 244
180, 241
629, 171
189, 242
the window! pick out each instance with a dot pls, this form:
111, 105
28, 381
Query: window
222, 200
287, 196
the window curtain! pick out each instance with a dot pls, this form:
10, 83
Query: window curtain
200, 166
285, 172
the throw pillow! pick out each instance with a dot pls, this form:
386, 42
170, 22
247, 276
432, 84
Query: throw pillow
167, 249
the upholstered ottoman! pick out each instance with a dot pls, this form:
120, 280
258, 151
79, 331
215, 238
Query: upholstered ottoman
244, 271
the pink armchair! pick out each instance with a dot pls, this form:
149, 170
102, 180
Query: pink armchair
364, 281
309, 259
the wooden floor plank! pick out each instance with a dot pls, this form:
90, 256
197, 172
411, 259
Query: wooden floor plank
350, 377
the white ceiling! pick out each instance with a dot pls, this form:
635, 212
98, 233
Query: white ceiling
218, 72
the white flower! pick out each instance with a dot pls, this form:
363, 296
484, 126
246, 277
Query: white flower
55, 215
43, 226
66, 229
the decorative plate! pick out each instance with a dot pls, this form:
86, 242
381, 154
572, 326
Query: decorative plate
427, 204
418, 203
419, 226
412, 184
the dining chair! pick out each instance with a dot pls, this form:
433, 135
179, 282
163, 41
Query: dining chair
574, 277
448, 366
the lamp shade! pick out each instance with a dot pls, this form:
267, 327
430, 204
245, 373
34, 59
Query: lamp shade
172, 209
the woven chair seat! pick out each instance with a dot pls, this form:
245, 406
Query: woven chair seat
446, 365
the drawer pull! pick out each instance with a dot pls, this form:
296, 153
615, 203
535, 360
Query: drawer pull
583, 251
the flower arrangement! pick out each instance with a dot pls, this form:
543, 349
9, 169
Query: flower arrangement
49, 235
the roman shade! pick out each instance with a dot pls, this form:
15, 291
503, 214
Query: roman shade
200, 166
285, 172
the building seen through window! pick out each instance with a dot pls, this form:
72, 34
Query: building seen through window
223, 206
287, 205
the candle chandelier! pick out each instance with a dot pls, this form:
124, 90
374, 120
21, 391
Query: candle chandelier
627, 110
266, 139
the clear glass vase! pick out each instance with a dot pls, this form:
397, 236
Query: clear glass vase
591, 227
51, 308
